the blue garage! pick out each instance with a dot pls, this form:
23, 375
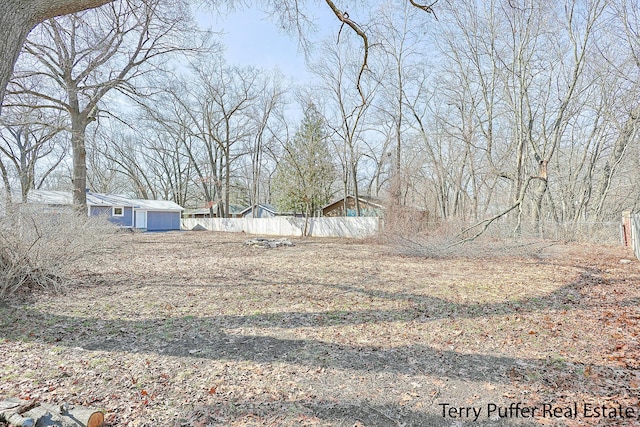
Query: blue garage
157, 215
150, 215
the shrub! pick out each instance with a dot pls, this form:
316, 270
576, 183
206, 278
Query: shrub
37, 248
455, 237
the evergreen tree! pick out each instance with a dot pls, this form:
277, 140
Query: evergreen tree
305, 174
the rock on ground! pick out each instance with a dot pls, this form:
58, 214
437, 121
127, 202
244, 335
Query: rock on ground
261, 242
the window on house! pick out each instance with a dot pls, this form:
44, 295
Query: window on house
117, 211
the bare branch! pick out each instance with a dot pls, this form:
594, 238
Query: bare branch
485, 223
426, 8
344, 18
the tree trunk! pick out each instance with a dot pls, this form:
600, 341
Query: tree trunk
15, 25
356, 193
227, 181
218, 195
50, 415
79, 177
539, 193
7, 184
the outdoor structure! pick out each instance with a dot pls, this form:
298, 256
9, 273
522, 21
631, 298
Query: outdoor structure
197, 213
156, 215
150, 215
349, 227
118, 209
262, 210
630, 230
234, 211
369, 206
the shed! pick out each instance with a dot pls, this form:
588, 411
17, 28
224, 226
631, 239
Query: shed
369, 206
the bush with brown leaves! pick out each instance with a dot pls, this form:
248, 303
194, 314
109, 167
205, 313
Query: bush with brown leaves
38, 247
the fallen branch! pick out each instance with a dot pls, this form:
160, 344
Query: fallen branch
488, 221
14, 419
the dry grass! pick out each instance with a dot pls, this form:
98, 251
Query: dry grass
197, 329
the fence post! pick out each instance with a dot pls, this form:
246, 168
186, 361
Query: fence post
626, 228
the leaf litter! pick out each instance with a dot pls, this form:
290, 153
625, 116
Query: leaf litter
198, 329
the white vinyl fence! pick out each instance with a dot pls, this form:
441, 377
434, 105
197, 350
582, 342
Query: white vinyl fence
635, 234
351, 227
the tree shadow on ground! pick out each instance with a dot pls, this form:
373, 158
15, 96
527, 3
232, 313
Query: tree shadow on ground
423, 308
200, 338
206, 337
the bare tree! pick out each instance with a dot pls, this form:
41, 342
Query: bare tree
18, 19
217, 112
225, 106
624, 58
29, 141
347, 109
178, 149
265, 113
401, 34
20, 16
514, 98
77, 60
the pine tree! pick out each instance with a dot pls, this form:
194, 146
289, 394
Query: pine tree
305, 174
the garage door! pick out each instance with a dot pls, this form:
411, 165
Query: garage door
163, 221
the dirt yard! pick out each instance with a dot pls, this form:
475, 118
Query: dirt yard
197, 329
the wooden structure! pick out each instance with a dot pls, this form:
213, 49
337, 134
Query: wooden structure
346, 206
630, 231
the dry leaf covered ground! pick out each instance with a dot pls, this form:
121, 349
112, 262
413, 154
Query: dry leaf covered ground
197, 329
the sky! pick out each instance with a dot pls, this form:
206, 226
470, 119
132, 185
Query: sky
251, 38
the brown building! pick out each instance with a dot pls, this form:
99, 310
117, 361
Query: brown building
369, 206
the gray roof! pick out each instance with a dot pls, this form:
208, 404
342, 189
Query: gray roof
50, 197
97, 199
157, 205
46, 197
265, 206
198, 211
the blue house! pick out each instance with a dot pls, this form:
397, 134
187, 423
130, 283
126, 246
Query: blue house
150, 215
119, 209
